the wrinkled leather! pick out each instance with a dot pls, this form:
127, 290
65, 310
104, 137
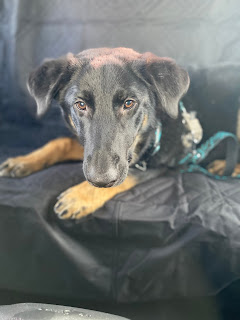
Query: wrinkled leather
175, 235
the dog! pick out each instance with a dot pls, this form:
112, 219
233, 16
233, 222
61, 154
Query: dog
123, 108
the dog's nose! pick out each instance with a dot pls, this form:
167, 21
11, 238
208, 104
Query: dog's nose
102, 184
102, 180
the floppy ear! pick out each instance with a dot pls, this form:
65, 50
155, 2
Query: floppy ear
45, 81
171, 82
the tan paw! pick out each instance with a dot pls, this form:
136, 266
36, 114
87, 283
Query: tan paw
217, 167
236, 171
84, 198
17, 167
78, 201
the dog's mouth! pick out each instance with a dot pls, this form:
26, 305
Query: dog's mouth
102, 185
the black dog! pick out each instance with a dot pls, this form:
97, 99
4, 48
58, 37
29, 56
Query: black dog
120, 104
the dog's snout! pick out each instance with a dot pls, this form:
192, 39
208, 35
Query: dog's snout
104, 167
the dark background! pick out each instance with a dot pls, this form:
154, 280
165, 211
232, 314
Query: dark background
200, 33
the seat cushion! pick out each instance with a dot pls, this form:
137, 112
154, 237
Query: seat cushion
174, 235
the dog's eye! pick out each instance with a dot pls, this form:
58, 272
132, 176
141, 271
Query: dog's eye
81, 105
128, 104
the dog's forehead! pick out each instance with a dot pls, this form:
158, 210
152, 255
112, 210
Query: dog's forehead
106, 80
107, 70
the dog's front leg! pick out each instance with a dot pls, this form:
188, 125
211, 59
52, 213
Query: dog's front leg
58, 150
84, 198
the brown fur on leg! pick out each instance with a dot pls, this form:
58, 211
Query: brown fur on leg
58, 150
84, 198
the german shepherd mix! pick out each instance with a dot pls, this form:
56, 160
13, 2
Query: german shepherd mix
114, 101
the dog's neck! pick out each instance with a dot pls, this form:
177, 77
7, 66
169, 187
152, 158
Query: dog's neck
148, 146
169, 141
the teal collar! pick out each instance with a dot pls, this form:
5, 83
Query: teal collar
158, 134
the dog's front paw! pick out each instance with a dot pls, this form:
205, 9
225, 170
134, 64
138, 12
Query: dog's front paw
16, 167
77, 201
236, 172
217, 167
84, 198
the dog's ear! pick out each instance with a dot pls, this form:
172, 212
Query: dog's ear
170, 81
45, 82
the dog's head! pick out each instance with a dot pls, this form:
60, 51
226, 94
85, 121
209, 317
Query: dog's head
110, 98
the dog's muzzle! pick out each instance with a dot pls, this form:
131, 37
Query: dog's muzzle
103, 170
